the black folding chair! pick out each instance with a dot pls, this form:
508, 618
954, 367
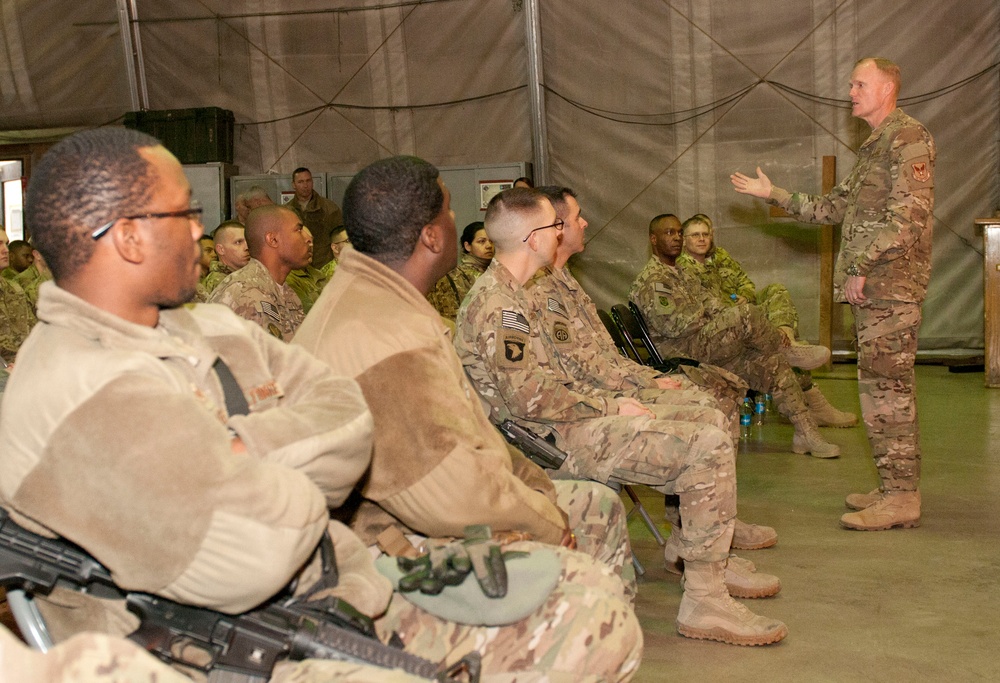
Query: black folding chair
633, 329
625, 346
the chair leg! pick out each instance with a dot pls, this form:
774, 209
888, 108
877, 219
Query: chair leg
639, 569
638, 506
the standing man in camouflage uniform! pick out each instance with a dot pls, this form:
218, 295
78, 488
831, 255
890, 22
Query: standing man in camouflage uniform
17, 316
500, 343
318, 214
885, 208
258, 291
231, 248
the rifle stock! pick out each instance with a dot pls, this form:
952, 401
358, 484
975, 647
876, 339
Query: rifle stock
537, 449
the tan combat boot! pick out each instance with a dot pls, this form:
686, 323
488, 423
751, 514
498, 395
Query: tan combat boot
741, 576
752, 536
860, 501
893, 509
807, 439
806, 356
708, 612
824, 414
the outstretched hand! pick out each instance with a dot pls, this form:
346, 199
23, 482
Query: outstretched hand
758, 187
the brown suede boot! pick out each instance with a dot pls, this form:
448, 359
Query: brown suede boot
860, 501
824, 414
806, 356
752, 536
741, 576
807, 439
708, 612
893, 509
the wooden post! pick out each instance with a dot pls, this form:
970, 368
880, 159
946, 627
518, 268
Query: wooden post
991, 298
826, 264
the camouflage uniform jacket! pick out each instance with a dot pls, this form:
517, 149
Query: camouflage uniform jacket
431, 434
501, 341
589, 352
321, 216
217, 272
675, 304
720, 273
885, 206
30, 280
253, 294
450, 290
8, 273
16, 318
328, 269
117, 437
307, 283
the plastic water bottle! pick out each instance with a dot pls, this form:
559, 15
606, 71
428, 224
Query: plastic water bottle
746, 417
769, 402
759, 409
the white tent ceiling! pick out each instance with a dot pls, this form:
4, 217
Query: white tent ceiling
648, 105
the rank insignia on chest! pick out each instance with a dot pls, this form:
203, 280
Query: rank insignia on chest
920, 172
512, 320
557, 308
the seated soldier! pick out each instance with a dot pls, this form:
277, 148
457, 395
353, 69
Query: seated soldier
592, 365
686, 319
20, 259
307, 282
33, 277
431, 435
16, 314
721, 273
338, 241
258, 292
503, 346
230, 523
231, 249
449, 291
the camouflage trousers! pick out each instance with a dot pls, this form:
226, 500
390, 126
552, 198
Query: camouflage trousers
694, 461
598, 519
585, 631
887, 348
776, 302
741, 339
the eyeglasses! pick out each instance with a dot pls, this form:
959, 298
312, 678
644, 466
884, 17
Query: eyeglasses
558, 225
192, 214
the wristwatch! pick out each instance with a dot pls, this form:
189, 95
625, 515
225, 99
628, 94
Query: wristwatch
853, 271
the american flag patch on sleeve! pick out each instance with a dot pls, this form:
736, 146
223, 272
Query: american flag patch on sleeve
269, 310
512, 320
557, 307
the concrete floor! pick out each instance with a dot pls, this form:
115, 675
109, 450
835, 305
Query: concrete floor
901, 605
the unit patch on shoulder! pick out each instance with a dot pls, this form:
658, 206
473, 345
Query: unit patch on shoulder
920, 172
560, 332
511, 349
275, 331
512, 320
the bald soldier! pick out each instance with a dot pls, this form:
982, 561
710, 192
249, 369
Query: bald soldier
258, 292
502, 346
231, 248
885, 207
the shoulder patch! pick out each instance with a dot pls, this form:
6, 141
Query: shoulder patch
556, 307
560, 332
275, 331
512, 349
660, 287
269, 309
512, 320
920, 172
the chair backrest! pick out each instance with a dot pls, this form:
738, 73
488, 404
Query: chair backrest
634, 330
624, 345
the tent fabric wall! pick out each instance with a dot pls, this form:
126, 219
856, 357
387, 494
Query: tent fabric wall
650, 106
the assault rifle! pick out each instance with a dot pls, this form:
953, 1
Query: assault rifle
538, 450
248, 644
